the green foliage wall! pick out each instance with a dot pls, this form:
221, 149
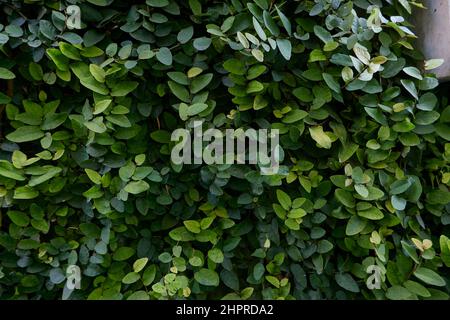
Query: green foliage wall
85, 171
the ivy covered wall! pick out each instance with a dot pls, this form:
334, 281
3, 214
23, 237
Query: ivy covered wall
91, 90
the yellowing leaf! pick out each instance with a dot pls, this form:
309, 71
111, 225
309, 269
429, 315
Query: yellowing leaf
322, 139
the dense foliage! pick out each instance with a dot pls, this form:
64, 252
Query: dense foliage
86, 178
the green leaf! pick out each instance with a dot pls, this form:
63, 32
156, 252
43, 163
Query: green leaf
410, 87
285, 47
201, 44
97, 72
254, 86
347, 74
120, 120
255, 71
123, 253
263, 4
164, 56
331, 82
14, 30
196, 108
294, 116
149, 275
81, 70
243, 40
284, 199
184, 35
417, 288
122, 88
52, 172
303, 94
427, 102
200, 82
259, 30
433, 63
216, 255
355, 225
410, 251
25, 193
345, 197
362, 53
139, 295
19, 218
145, 52
160, 136
444, 243
425, 118
192, 225
94, 176
398, 293
101, 106
193, 72
4, 99
6, 74
443, 130
28, 244
157, 3
36, 71
139, 264
60, 60
285, 21
258, 54
399, 186
372, 213
258, 271
377, 115
25, 134
330, 46
179, 91
429, 276
53, 120
92, 37
179, 77
324, 246
125, 52
347, 151
136, 187
196, 7
347, 282
96, 125
41, 225
413, 72
8, 171
101, 3
131, 277
207, 277
398, 203
270, 24
323, 34
235, 66
322, 139
69, 51
273, 281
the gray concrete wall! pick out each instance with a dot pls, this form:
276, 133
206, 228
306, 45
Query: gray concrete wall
433, 30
